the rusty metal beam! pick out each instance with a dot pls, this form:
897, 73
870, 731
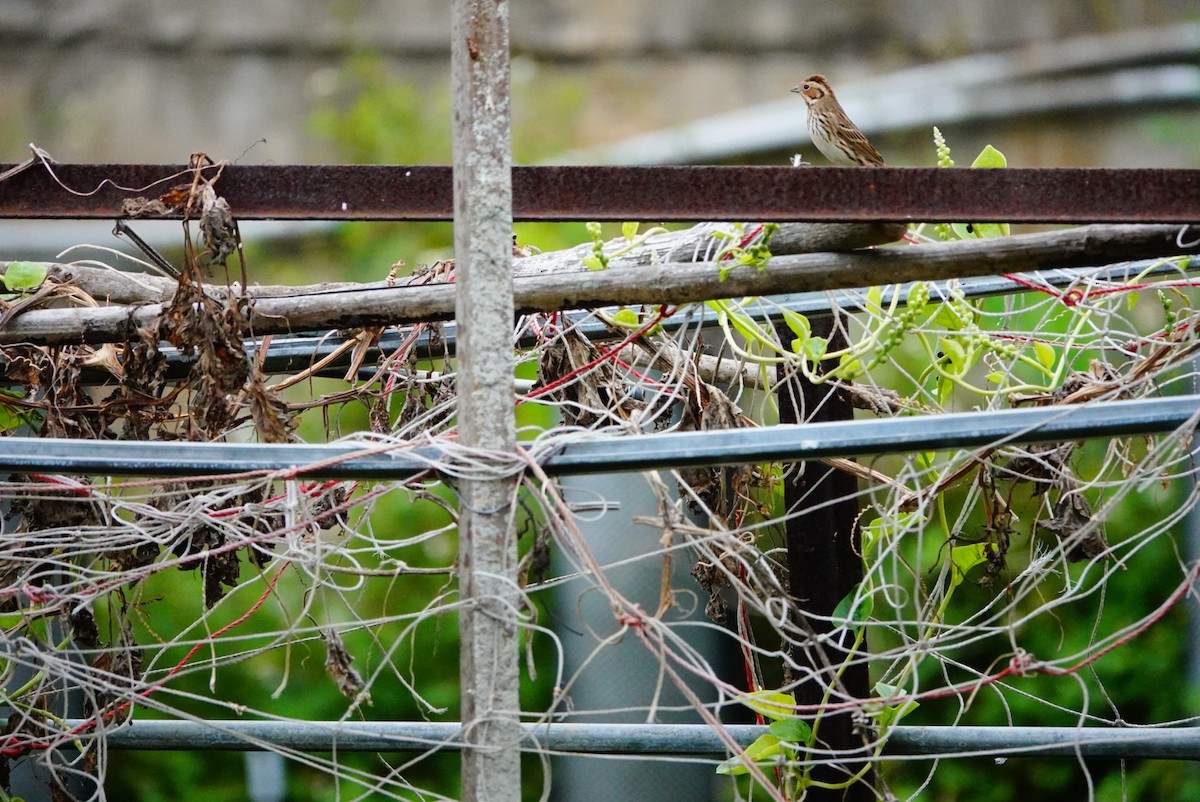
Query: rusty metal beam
328, 192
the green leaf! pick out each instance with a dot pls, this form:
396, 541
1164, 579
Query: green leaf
996, 377
945, 389
980, 230
765, 746
956, 355
889, 714
947, 318
733, 767
877, 530
874, 301
24, 275
815, 348
593, 263
849, 366
797, 323
743, 325
792, 730
849, 614
629, 230
873, 531
990, 157
10, 620
1045, 353
898, 712
627, 318
988, 230
771, 704
12, 417
766, 749
963, 559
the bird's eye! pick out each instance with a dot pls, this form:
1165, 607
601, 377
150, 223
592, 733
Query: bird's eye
806, 87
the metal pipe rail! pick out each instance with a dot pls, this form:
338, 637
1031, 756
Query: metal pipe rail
614, 454
1176, 743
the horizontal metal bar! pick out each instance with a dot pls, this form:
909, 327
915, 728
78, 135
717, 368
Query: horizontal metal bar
424, 192
1174, 743
782, 443
646, 739
808, 441
378, 736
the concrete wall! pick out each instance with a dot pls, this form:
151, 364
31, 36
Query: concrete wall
152, 80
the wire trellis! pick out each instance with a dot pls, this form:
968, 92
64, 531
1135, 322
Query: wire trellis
277, 562
138, 584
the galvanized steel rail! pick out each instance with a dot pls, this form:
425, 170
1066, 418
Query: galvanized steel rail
1174, 743
615, 454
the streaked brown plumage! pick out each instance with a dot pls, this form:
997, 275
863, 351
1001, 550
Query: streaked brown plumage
838, 139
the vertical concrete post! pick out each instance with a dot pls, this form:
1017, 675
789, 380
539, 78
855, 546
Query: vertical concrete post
484, 310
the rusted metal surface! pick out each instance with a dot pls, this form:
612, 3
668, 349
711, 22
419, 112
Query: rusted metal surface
325, 192
297, 192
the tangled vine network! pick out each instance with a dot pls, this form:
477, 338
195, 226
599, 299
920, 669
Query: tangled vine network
982, 591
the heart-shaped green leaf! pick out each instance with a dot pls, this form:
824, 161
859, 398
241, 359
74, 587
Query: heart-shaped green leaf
772, 704
24, 276
791, 730
764, 750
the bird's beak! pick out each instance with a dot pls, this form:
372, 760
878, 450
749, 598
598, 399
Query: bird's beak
796, 89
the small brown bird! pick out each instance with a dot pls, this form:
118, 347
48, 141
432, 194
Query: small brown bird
832, 132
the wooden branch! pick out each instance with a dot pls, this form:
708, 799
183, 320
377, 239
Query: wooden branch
673, 283
698, 244
119, 287
695, 244
108, 284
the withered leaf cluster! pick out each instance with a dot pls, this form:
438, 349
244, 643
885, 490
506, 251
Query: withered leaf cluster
588, 388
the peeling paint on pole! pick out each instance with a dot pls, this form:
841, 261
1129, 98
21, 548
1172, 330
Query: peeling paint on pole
491, 768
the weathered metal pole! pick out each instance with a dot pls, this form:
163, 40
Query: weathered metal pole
823, 566
491, 769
